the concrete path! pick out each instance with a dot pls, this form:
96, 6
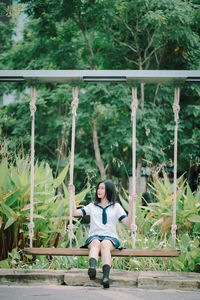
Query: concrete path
118, 278
55, 292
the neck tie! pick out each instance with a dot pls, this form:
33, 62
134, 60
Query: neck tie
104, 214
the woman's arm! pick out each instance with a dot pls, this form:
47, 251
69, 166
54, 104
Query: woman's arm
128, 220
75, 212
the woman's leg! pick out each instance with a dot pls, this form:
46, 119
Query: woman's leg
106, 248
94, 249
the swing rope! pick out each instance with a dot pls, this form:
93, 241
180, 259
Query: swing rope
176, 109
71, 180
134, 106
32, 110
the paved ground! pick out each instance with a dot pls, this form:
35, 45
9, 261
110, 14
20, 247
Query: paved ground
74, 284
52, 292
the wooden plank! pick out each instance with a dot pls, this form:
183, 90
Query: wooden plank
117, 253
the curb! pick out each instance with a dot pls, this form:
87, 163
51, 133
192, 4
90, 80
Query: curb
118, 278
79, 277
180, 280
31, 277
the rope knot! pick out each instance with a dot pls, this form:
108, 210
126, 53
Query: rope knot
75, 102
176, 108
173, 231
70, 227
134, 104
133, 227
32, 107
30, 227
71, 233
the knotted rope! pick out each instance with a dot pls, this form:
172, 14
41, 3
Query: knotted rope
33, 110
74, 108
134, 106
176, 109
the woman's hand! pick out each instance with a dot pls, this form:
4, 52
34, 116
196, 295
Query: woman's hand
133, 198
75, 212
128, 220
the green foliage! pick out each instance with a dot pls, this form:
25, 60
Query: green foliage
154, 223
50, 210
105, 35
51, 217
5, 29
187, 217
149, 32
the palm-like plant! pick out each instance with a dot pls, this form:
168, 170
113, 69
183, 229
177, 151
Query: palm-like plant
15, 204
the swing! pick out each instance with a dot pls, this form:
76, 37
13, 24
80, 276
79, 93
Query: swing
118, 253
129, 76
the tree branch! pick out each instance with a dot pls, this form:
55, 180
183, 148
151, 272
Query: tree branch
151, 53
125, 44
149, 43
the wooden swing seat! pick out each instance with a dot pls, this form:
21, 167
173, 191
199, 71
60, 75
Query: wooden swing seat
116, 253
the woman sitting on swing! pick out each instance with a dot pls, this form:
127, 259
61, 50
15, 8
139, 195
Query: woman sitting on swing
104, 213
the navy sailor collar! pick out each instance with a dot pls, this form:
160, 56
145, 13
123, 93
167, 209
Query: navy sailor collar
104, 214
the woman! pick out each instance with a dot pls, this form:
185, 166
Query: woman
104, 213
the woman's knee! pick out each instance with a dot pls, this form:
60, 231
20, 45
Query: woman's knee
94, 244
107, 245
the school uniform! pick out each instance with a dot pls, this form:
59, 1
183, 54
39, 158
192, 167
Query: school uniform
103, 222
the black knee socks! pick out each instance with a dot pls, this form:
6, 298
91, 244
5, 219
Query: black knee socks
92, 262
92, 268
92, 272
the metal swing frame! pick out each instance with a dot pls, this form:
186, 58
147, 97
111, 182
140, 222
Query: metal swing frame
132, 77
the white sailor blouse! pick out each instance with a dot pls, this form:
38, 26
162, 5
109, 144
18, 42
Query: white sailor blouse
103, 220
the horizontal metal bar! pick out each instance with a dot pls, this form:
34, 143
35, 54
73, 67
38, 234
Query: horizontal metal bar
104, 79
193, 79
78, 76
12, 79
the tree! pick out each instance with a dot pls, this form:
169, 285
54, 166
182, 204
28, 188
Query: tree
154, 35
105, 35
6, 29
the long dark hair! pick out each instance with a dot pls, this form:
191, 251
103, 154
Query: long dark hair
110, 192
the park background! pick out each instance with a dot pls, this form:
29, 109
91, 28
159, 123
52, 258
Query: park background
99, 35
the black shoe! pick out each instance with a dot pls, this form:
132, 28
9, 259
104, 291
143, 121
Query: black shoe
105, 279
105, 282
92, 273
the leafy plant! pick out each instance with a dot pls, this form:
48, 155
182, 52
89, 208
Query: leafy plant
161, 211
49, 208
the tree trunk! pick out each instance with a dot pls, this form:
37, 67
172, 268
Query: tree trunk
96, 148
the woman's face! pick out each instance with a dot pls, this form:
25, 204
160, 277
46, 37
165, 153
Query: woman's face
101, 191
